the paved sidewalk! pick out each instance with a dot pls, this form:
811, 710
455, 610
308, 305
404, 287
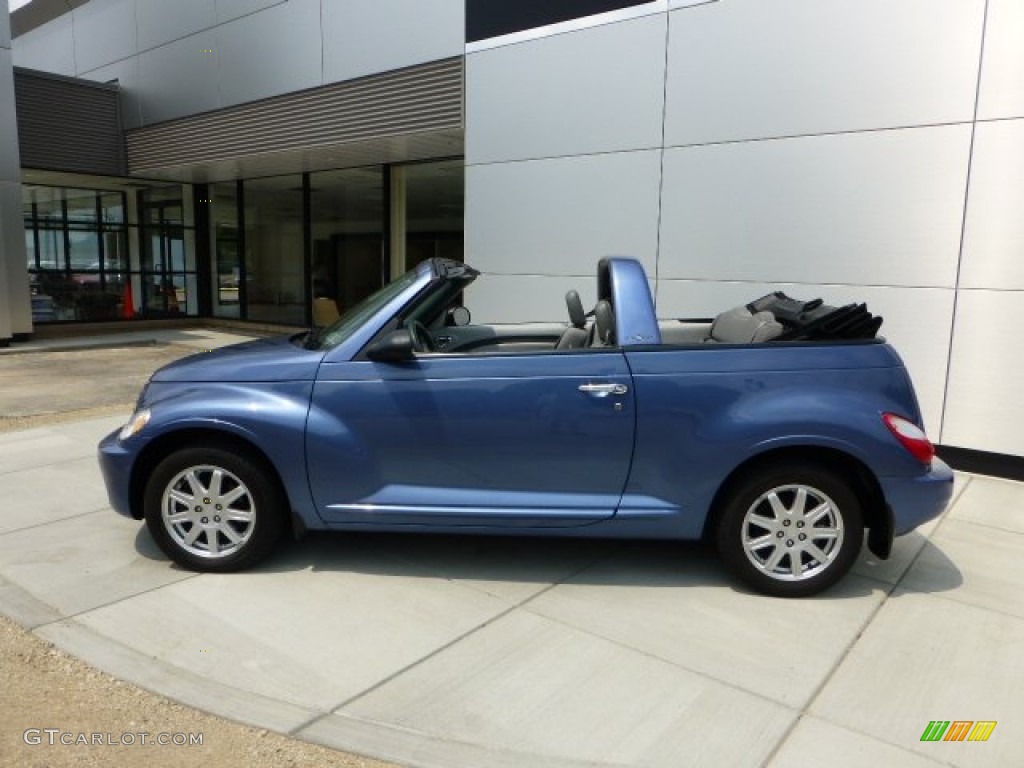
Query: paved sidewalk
448, 652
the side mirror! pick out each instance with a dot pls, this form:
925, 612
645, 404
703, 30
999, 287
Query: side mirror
457, 316
396, 347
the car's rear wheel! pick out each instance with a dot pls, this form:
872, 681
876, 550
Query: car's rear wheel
791, 530
210, 509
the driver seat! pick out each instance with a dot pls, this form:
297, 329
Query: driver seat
575, 336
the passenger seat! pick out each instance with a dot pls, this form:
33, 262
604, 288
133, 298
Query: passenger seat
739, 326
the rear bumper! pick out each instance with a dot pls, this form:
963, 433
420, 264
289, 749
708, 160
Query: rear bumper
916, 500
116, 466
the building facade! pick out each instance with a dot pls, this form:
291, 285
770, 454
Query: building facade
276, 153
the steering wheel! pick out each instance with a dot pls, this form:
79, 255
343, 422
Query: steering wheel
422, 341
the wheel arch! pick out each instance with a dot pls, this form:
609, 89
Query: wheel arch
864, 483
163, 446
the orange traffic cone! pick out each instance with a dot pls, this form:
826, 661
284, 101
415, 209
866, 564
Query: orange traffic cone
127, 302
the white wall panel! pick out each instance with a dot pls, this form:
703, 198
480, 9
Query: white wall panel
364, 37
10, 167
233, 9
15, 302
271, 52
753, 69
104, 33
1002, 74
179, 78
50, 48
916, 322
993, 254
161, 22
126, 72
984, 407
595, 90
879, 208
558, 217
5, 30
527, 298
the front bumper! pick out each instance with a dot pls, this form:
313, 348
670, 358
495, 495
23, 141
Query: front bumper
916, 500
116, 465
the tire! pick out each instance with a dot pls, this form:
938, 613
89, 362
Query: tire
213, 510
769, 510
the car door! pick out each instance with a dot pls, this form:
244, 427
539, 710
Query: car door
530, 440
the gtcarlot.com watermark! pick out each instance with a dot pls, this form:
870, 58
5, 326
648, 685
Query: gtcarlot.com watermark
56, 737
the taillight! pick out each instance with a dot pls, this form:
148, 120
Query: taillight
911, 437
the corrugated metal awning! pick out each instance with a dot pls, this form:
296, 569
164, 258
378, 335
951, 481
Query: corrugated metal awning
406, 114
68, 124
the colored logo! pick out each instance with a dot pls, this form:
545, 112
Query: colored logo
958, 730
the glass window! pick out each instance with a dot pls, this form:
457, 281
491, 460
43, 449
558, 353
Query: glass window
274, 290
81, 262
81, 208
225, 264
434, 206
348, 235
112, 206
84, 249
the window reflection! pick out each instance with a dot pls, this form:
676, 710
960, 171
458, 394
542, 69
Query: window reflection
274, 289
348, 238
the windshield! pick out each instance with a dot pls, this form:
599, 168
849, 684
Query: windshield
354, 318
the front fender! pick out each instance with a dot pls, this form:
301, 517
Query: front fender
271, 416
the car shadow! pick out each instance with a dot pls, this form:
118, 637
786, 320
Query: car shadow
484, 562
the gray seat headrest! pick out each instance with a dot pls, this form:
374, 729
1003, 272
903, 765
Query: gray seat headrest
604, 324
576, 314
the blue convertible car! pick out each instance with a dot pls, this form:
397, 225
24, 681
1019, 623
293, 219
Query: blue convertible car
780, 431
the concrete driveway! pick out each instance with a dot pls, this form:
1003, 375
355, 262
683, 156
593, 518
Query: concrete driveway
440, 651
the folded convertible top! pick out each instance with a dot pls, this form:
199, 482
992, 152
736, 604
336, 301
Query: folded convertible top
815, 320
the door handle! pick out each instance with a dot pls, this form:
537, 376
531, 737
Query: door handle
603, 390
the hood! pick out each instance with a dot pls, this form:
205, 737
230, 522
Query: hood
276, 359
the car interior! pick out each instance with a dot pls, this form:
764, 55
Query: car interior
442, 324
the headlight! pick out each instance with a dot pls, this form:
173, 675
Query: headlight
135, 424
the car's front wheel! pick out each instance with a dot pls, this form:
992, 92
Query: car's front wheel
790, 530
210, 509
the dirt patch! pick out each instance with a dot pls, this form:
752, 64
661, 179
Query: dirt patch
48, 383
44, 688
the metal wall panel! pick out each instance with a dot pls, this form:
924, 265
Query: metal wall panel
559, 216
270, 53
418, 99
179, 78
527, 298
82, 136
916, 321
5, 29
596, 90
126, 73
993, 251
233, 9
15, 302
104, 32
1002, 73
364, 37
750, 69
10, 166
161, 22
984, 407
50, 48
883, 208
